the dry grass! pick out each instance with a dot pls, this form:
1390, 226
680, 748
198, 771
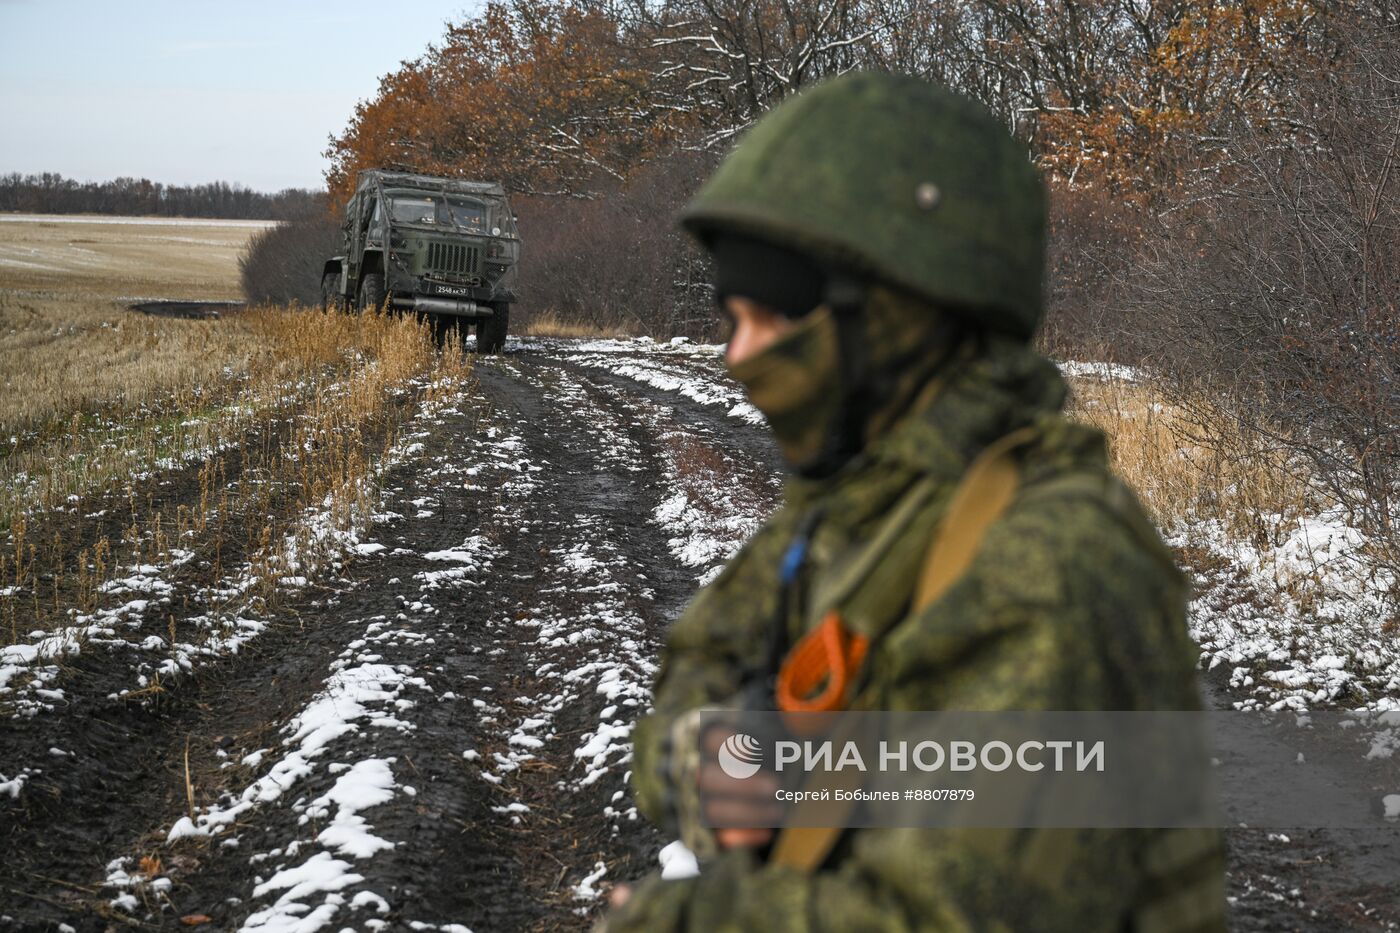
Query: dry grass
243, 448
61, 355
1193, 464
67, 341
206, 385
552, 324
287, 456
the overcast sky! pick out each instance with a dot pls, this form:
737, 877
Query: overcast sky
196, 91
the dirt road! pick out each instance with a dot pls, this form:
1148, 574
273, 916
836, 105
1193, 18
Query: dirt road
437, 734
434, 736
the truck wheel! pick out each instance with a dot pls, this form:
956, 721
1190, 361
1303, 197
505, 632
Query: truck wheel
445, 325
491, 332
329, 299
372, 292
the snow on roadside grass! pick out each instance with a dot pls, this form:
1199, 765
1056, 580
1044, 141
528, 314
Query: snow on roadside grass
320, 536
712, 510
1300, 623
692, 371
708, 531
1080, 369
1298, 611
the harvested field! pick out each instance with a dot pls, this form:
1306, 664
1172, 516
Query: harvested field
122, 257
68, 342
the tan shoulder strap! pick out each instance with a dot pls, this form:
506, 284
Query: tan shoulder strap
806, 847
987, 488
980, 499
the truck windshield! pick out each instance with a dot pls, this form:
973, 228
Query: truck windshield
469, 214
414, 210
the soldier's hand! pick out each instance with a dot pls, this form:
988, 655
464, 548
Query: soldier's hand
747, 801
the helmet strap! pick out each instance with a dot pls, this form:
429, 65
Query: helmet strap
846, 295
866, 389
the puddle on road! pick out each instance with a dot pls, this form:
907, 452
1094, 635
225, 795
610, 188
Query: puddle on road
190, 310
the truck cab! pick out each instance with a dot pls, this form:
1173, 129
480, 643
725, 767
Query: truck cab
443, 248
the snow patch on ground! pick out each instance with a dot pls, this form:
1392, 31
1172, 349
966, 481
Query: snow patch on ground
677, 862
1104, 371
695, 373
355, 697
1297, 622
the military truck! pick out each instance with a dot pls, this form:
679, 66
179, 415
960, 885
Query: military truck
443, 248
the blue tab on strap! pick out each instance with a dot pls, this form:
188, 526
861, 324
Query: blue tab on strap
793, 559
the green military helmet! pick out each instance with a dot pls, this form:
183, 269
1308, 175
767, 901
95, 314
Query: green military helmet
896, 178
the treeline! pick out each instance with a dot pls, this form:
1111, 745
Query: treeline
1130, 106
50, 193
1223, 174
553, 95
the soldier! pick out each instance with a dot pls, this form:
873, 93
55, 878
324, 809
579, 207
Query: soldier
878, 246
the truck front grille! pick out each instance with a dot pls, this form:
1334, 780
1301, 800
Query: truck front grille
454, 259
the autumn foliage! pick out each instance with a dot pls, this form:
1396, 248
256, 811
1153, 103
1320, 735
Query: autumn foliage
1120, 101
541, 95
1190, 68
550, 95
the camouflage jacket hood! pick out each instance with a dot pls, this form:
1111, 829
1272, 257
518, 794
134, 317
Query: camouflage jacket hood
980, 394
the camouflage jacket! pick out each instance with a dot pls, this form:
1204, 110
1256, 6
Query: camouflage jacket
1073, 603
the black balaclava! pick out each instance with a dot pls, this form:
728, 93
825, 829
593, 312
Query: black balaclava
785, 280
850, 363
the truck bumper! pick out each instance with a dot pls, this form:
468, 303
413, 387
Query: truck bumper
452, 307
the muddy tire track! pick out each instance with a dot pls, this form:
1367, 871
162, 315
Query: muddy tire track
520, 673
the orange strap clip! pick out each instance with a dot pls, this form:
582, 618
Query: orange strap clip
820, 668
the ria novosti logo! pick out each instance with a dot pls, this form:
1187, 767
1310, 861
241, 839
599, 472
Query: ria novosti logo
740, 756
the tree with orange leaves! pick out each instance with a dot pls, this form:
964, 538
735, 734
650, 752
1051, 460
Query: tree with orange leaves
541, 94
1117, 91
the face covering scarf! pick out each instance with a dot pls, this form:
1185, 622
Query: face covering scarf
802, 385
796, 383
